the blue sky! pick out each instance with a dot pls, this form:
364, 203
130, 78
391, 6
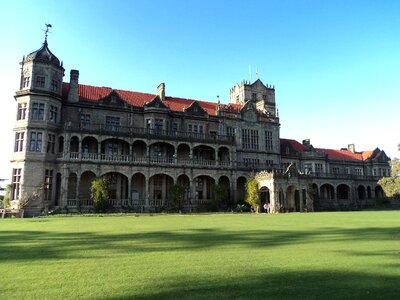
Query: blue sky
335, 64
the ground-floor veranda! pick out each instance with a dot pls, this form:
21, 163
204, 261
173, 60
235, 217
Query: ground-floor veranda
147, 189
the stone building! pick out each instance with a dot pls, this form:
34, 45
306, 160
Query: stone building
67, 134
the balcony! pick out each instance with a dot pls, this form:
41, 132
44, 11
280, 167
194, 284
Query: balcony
132, 160
149, 133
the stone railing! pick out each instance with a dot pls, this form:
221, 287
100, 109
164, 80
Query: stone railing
153, 133
134, 160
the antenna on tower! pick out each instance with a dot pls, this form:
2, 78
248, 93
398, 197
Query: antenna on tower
46, 31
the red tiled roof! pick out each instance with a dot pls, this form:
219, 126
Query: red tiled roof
295, 145
332, 153
94, 94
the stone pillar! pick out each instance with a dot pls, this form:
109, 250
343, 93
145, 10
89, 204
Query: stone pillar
216, 157
193, 192
147, 192
130, 191
64, 186
301, 199
98, 150
78, 179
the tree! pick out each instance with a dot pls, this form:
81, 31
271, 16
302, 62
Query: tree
6, 199
252, 196
177, 195
99, 194
391, 185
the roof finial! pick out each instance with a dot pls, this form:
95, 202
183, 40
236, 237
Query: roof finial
46, 31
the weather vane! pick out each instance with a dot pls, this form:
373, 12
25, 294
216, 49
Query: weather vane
46, 31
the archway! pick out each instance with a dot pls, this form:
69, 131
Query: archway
223, 156
117, 189
183, 180
240, 189
204, 155
139, 151
71, 192
264, 197
85, 183
89, 148
225, 186
327, 192
183, 153
343, 192
379, 194
74, 145
293, 198
115, 150
138, 190
162, 153
362, 195
204, 189
159, 189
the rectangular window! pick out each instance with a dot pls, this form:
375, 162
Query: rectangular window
148, 123
230, 131
112, 123
54, 85
335, 170
174, 127
374, 172
250, 139
359, 171
268, 140
318, 168
158, 126
307, 168
190, 128
51, 142
21, 113
53, 113
48, 184
26, 81
201, 129
16, 184
269, 162
37, 111
35, 143
347, 170
85, 121
112, 149
19, 141
40, 80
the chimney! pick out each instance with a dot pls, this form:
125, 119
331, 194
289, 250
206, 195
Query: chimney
73, 95
307, 142
161, 91
351, 148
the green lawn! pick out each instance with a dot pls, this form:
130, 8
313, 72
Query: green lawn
289, 256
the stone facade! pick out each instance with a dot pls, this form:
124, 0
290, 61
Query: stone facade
67, 134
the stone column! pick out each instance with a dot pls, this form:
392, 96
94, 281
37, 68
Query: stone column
64, 187
130, 191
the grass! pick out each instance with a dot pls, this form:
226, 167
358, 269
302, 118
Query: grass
289, 256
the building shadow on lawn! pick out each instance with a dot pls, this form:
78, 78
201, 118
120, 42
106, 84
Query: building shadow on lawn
37, 245
270, 285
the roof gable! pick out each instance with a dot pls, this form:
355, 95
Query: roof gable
196, 110
156, 103
112, 99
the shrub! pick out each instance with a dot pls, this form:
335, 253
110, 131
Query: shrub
252, 197
100, 194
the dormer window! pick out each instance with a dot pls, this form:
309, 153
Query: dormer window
40, 81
